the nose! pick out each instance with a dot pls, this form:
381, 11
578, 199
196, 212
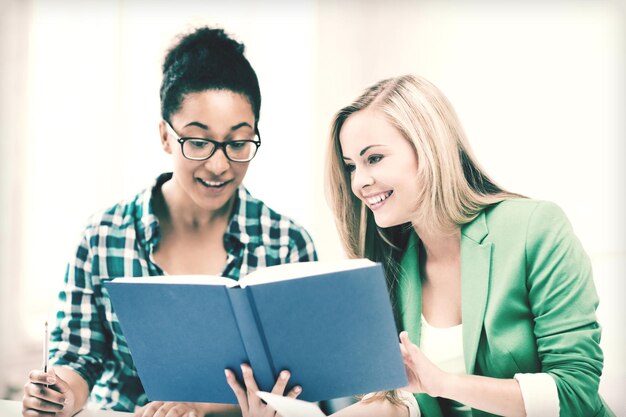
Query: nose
361, 178
217, 163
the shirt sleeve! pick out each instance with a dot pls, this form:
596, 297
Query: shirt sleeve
540, 395
78, 339
563, 301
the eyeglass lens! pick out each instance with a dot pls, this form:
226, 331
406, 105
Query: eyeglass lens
239, 150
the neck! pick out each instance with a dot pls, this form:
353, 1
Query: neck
182, 212
440, 245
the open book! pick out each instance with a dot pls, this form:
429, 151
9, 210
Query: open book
329, 323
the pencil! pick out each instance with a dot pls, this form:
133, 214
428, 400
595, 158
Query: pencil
45, 349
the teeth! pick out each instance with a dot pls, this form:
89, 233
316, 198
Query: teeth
378, 198
211, 183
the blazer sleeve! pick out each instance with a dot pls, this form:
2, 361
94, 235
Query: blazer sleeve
563, 300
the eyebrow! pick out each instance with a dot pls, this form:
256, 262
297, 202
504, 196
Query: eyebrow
363, 150
232, 128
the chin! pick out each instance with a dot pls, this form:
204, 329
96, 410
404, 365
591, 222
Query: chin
385, 223
213, 203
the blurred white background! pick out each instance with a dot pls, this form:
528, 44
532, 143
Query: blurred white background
539, 87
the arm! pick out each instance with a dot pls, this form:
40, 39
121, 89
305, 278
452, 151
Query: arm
73, 374
496, 396
563, 301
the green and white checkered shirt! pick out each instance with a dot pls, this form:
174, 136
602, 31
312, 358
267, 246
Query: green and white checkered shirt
120, 242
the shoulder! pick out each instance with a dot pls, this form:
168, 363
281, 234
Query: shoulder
522, 219
117, 216
117, 219
525, 211
524, 207
536, 222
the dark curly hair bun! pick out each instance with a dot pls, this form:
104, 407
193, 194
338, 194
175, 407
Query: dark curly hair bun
207, 59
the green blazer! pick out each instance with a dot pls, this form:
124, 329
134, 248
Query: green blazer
528, 303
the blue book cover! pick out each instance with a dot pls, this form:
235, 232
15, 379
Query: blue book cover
329, 323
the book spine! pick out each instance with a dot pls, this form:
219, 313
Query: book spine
253, 338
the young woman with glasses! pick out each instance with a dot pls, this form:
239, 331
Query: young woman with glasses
198, 219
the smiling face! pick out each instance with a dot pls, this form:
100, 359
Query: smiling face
382, 165
220, 115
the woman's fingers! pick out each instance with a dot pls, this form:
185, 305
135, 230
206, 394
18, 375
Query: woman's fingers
248, 378
44, 393
281, 383
41, 392
179, 410
37, 376
39, 405
149, 409
408, 349
251, 387
250, 402
294, 392
404, 339
240, 393
164, 409
403, 350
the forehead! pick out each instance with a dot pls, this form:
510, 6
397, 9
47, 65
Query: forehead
216, 105
369, 127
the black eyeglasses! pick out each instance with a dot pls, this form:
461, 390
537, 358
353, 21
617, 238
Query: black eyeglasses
201, 149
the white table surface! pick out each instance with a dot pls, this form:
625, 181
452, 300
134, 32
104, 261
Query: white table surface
14, 409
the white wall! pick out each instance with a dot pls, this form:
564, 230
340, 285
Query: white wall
539, 88
13, 20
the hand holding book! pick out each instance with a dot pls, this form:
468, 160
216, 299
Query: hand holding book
251, 405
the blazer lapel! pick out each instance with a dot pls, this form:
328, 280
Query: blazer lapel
409, 291
475, 275
409, 296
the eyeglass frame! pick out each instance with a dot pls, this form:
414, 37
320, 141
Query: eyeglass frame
217, 145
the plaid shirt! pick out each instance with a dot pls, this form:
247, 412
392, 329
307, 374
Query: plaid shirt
121, 242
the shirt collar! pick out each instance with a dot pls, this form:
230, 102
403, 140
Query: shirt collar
244, 226
147, 222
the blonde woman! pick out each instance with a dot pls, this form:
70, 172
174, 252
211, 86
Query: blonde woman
493, 291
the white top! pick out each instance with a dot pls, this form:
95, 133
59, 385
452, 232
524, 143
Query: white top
444, 347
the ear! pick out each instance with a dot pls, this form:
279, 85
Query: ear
165, 139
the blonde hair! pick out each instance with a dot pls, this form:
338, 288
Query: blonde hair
451, 187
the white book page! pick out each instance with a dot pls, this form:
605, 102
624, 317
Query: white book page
290, 407
179, 279
296, 270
